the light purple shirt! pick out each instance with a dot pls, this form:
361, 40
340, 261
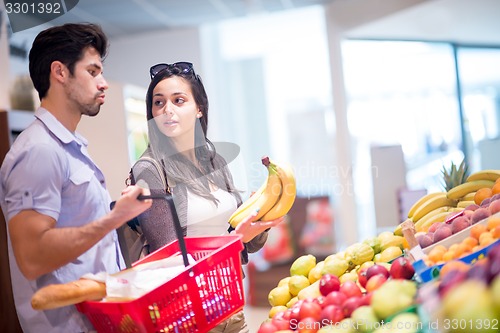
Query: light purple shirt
49, 170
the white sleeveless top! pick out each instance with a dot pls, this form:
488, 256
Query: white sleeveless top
205, 218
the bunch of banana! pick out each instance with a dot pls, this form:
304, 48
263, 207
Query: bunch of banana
491, 175
273, 199
431, 204
469, 186
430, 208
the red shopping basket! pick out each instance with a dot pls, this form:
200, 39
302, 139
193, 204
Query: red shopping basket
203, 295
200, 297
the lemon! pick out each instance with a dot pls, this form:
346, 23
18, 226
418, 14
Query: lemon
275, 309
349, 276
390, 253
284, 281
315, 273
302, 265
297, 283
279, 296
292, 302
336, 267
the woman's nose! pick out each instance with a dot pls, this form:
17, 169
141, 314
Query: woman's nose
168, 108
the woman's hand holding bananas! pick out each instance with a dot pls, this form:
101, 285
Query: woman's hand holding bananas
267, 207
249, 228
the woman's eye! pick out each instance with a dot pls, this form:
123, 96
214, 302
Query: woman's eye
179, 100
158, 103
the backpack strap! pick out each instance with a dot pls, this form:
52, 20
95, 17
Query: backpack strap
131, 180
134, 223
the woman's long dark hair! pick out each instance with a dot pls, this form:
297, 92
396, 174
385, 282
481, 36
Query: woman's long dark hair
179, 169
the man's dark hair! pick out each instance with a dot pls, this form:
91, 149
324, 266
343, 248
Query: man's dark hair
65, 43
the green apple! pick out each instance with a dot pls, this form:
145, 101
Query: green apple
406, 322
365, 319
469, 308
393, 296
495, 294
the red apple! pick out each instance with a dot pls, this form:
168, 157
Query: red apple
401, 268
267, 327
328, 283
376, 269
350, 289
375, 282
331, 314
362, 277
294, 315
310, 309
350, 305
308, 325
366, 299
320, 300
280, 322
335, 298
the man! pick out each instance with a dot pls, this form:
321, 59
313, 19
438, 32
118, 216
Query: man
53, 196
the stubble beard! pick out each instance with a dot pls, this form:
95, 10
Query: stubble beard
86, 108
90, 110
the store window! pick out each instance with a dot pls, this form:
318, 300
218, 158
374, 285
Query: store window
479, 74
410, 94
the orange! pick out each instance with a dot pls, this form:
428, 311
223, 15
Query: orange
495, 232
482, 194
436, 254
485, 239
449, 255
477, 229
496, 188
493, 221
453, 266
471, 241
465, 248
405, 244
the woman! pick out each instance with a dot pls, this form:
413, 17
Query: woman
198, 177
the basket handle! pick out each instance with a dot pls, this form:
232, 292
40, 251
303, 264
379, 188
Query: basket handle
177, 223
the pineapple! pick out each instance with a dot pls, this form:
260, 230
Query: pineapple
455, 176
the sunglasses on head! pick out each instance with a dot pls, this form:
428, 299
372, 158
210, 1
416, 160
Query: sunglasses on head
182, 67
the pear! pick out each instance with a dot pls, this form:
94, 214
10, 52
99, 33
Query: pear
311, 291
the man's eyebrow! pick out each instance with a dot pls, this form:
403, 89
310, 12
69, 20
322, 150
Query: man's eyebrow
95, 65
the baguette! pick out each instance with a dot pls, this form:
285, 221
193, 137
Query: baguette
59, 295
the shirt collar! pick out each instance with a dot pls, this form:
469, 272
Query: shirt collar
54, 126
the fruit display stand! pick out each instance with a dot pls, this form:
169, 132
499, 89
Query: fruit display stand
445, 278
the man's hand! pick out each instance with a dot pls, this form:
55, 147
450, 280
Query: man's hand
128, 206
